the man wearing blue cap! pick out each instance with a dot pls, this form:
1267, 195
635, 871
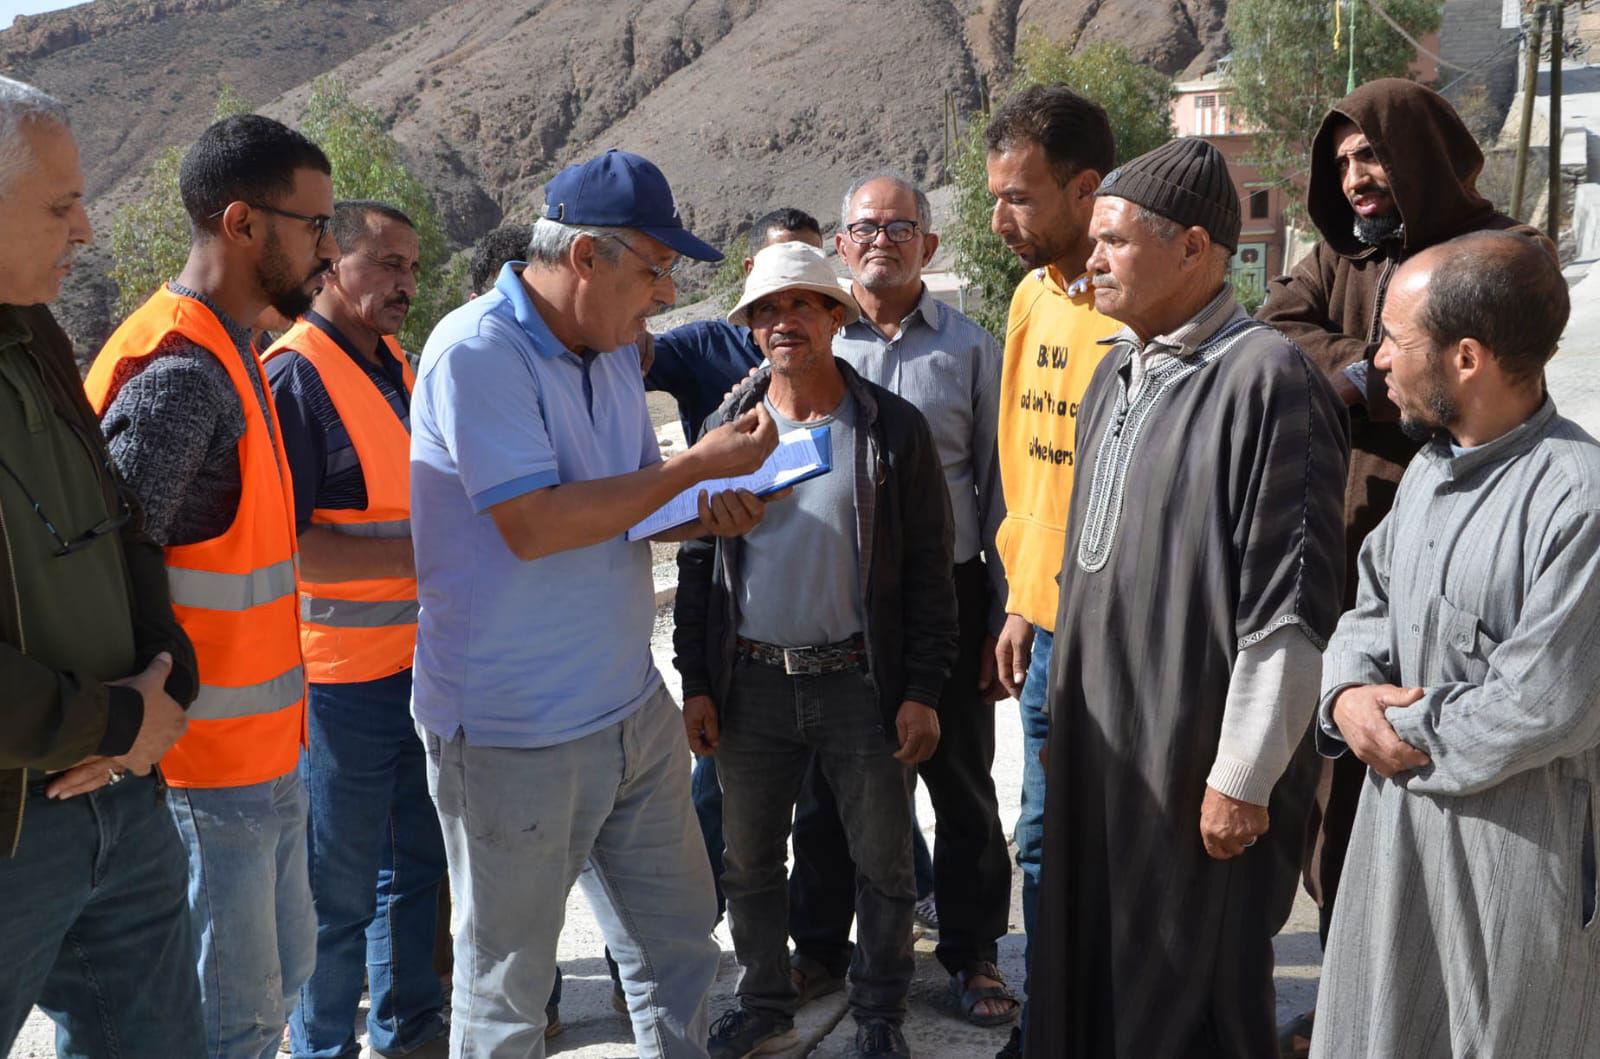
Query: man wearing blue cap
553, 747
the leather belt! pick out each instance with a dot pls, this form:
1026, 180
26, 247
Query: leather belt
808, 661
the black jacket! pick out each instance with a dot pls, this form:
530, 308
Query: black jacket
904, 525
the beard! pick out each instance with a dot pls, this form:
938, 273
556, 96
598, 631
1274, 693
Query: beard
885, 274
1440, 415
1374, 230
1040, 255
285, 291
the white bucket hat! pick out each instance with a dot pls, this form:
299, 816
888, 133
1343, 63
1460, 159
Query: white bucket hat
792, 266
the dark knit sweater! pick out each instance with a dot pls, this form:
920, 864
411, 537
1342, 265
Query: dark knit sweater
173, 427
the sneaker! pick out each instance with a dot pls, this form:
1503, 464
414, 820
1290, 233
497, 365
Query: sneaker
1013, 1048
881, 1039
926, 913
742, 1032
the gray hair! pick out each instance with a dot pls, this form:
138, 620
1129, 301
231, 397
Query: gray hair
21, 103
1163, 228
550, 241
899, 180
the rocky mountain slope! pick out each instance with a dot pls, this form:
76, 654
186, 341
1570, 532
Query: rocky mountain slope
744, 103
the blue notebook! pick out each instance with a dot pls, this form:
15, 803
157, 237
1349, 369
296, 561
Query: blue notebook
801, 455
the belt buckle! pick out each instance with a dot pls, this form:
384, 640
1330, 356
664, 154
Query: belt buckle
797, 662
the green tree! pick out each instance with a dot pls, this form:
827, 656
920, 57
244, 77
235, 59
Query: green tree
150, 237
1137, 100
1285, 72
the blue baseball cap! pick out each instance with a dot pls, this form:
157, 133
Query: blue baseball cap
622, 190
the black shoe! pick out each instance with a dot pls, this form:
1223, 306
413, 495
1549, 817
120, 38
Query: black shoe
881, 1039
619, 999
741, 1032
1013, 1048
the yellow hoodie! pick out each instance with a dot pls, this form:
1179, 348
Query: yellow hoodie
1050, 356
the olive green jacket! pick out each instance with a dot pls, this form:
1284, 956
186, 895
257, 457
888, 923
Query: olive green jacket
68, 622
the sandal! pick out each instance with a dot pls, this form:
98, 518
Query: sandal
970, 996
1292, 1033
811, 979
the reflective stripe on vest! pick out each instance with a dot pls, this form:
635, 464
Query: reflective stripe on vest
400, 527
355, 614
280, 693
213, 591
234, 593
353, 631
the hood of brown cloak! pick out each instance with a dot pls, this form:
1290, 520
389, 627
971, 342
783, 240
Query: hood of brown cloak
1432, 161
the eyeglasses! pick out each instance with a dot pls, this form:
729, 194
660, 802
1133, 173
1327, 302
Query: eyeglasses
321, 220
107, 525
657, 273
865, 232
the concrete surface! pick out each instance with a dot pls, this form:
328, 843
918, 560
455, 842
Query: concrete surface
1574, 374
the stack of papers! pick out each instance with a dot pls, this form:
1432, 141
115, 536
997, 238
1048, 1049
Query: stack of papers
800, 455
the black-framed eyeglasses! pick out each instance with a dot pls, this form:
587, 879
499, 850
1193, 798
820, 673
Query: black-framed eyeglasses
321, 220
107, 525
657, 273
865, 232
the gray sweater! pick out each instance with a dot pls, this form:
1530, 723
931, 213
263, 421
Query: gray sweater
173, 426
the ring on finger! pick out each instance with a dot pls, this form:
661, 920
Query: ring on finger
114, 776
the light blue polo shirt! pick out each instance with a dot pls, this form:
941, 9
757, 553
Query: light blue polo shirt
523, 653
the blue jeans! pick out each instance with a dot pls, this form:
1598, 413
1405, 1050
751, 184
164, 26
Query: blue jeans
94, 927
250, 902
773, 724
707, 792
1030, 821
610, 810
376, 857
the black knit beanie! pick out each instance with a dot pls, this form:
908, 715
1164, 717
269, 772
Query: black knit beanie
1185, 180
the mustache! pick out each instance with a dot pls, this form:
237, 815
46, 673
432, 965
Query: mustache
1103, 279
399, 301
70, 258
1368, 189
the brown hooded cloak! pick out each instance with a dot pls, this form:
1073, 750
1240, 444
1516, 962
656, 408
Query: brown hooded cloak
1330, 306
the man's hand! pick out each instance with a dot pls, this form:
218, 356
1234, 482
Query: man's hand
90, 774
1229, 826
733, 512
917, 727
736, 448
164, 719
743, 383
700, 724
1013, 650
164, 722
1359, 713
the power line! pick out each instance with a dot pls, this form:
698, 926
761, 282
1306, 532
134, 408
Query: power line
1485, 61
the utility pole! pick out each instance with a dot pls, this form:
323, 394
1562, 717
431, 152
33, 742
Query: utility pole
1350, 79
1530, 84
1557, 46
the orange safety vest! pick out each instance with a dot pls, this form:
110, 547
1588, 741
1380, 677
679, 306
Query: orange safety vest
360, 630
234, 594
